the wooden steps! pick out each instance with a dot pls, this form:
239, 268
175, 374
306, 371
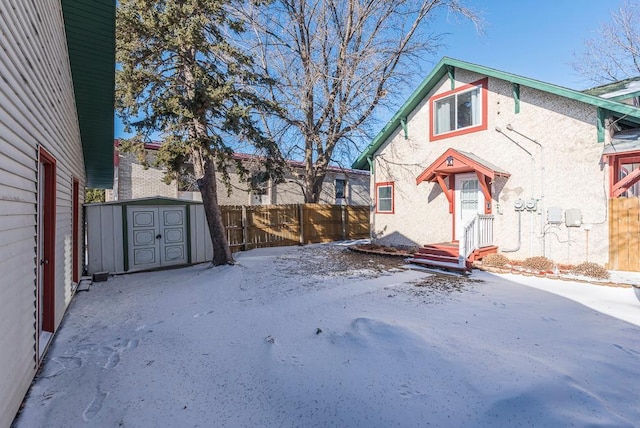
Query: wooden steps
445, 255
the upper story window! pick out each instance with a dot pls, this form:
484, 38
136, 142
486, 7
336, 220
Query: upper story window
259, 186
341, 185
384, 198
459, 111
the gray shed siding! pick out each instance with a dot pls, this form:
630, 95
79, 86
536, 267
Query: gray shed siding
105, 235
37, 109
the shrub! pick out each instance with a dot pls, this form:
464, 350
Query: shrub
538, 263
592, 270
495, 260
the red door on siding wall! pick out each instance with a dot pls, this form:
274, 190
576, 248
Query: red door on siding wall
45, 300
75, 240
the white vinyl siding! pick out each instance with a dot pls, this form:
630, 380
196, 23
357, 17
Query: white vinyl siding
37, 108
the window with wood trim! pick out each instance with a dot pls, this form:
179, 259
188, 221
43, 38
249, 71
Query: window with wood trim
384, 198
625, 175
460, 111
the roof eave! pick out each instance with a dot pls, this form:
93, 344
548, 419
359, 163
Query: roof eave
90, 33
440, 70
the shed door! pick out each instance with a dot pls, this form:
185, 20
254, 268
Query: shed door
173, 231
157, 236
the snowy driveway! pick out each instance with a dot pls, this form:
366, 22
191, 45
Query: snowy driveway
278, 340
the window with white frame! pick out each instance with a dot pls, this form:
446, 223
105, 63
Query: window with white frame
458, 111
384, 198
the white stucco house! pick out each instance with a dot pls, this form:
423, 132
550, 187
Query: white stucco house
56, 137
479, 160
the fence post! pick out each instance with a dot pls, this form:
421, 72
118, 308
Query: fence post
344, 222
301, 222
245, 228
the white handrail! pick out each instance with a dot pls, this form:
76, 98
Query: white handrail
477, 233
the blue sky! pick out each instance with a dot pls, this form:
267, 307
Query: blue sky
532, 38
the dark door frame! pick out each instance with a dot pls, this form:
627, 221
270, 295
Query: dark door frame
47, 254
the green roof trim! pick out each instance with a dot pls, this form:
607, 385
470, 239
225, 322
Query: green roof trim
442, 68
91, 28
516, 97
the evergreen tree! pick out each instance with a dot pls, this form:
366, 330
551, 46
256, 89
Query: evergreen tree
180, 75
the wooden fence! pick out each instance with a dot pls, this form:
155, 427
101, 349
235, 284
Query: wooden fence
624, 234
259, 226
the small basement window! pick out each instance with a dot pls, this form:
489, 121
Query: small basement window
384, 198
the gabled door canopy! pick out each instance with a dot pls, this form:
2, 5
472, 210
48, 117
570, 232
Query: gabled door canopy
453, 162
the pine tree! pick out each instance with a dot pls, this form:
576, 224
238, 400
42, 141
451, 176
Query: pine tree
180, 75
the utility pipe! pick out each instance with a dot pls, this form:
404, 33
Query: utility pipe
542, 170
513, 250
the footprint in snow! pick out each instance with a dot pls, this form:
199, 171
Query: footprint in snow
113, 361
95, 406
407, 391
63, 364
202, 314
143, 326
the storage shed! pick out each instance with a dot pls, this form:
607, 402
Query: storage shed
147, 233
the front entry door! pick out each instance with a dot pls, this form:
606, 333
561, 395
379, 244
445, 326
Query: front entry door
469, 201
157, 236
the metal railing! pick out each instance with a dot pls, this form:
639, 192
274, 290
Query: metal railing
477, 233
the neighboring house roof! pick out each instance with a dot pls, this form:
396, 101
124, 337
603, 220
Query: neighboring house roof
292, 164
617, 91
297, 164
90, 31
623, 142
448, 66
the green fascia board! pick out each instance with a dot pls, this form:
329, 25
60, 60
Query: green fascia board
153, 200
90, 31
441, 69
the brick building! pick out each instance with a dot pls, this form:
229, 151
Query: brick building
133, 180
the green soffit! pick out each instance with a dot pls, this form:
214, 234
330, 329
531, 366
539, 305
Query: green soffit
442, 69
90, 30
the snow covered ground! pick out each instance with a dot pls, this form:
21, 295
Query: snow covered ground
316, 336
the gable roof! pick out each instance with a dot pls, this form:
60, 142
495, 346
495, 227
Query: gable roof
456, 161
442, 69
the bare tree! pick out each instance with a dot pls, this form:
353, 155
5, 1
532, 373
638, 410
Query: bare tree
614, 53
333, 62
